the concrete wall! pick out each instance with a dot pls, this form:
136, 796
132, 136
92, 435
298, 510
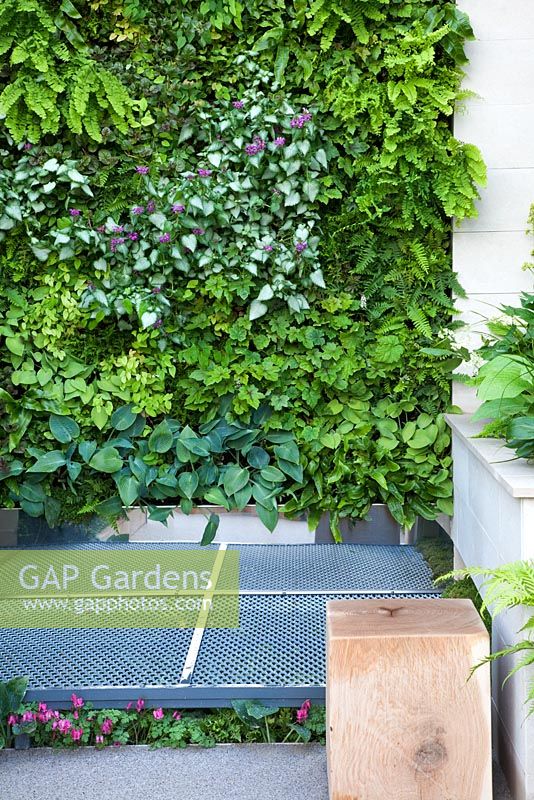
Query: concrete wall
494, 524
489, 251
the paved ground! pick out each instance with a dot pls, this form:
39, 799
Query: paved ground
233, 772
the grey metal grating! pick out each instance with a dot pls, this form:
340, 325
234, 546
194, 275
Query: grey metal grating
280, 642
323, 567
277, 653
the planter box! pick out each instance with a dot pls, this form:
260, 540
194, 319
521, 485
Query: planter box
494, 524
236, 527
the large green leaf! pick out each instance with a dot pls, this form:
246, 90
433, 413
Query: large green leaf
63, 429
123, 417
106, 460
188, 483
210, 530
128, 487
161, 438
235, 478
49, 462
505, 376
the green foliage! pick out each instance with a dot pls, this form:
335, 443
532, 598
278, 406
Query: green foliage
348, 339
226, 464
49, 77
506, 380
157, 727
506, 587
11, 696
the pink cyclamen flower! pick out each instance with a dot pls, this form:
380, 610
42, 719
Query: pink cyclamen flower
76, 701
75, 715
116, 744
28, 716
165, 238
176, 715
42, 707
99, 739
74, 212
157, 713
142, 170
76, 734
128, 707
140, 705
302, 713
12, 719
106, 726
63, 725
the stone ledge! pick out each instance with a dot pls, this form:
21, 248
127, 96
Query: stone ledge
516, 475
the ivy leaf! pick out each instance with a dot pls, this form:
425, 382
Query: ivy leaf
106, 460
63, 429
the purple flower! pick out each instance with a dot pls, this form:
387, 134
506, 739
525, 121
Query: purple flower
158, 323
252, 149
134, 236
142, 170
107, 726
165, 238
239, 104
150, 206
190, 177
301, 246
118, 228
198, 231
74, 212
178, 208
300, 120
268, 248
138, 209
27, 146
101, 229
279, 141
156, 290
204, 173
114, 243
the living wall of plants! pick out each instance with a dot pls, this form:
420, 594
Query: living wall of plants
234, 217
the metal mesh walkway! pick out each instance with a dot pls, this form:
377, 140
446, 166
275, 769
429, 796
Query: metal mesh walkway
277, 653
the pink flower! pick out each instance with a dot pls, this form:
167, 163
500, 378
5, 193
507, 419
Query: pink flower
116, 744
76, 701
140, 705
74, 212
12, 719
106, 726
75, 715
99, 739
128, 707
165, 238
63, 726
158, 713
204, 173
177, 208
42, 707
142, 170
176, 715
28, 716
302, 713
76, 734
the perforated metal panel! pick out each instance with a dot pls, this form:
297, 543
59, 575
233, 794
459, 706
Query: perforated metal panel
277, 653
332, 567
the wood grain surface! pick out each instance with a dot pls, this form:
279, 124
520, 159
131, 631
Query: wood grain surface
403, 720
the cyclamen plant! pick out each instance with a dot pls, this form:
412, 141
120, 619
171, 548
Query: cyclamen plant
247, 205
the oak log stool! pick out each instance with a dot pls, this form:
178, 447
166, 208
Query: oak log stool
403, 720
